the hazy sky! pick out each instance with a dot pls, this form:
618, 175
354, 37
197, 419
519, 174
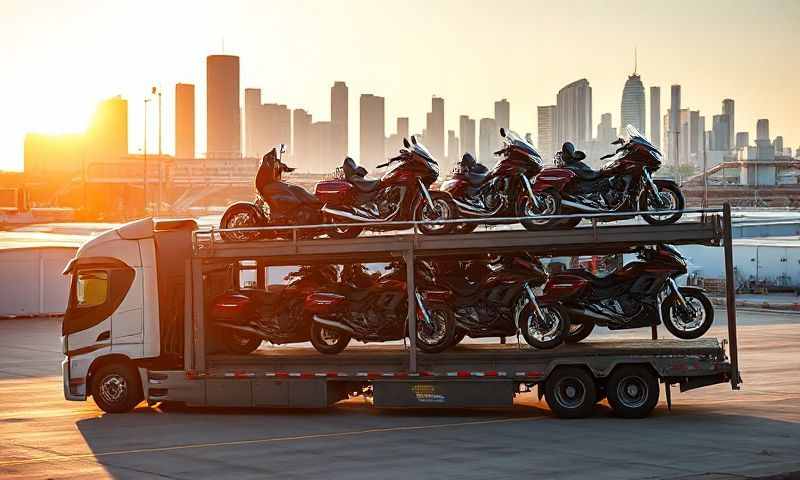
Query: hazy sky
59, 58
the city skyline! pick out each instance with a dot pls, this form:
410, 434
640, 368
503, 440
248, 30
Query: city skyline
389, 74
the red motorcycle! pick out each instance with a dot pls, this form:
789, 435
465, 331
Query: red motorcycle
624, 184
401, 194
640, 294
373, 308
247, 316
505, 191
277, 204
496, 298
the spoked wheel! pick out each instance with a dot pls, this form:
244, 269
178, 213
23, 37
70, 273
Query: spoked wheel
443, 209
632, 391
669, 197
547, 332
570, 392
547, 203
578, 332
691, 321
438, 335
116, 388
342, 232
327, 340
240, 216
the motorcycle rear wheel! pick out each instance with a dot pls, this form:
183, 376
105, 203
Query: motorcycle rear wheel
578, 331
668, 192
342, 232
549, 204
328, 340
240, 343
443, 209
240, 216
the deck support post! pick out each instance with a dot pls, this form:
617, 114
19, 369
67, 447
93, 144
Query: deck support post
198, 320
730, 295
408, 257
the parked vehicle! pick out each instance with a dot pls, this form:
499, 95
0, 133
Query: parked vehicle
495, 298
640, 294
277, 203
373, 308
245, 317
505, 191
403, 193
624, 184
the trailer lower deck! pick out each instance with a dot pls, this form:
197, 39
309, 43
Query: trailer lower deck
470, 375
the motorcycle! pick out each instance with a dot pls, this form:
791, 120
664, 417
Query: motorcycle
641, 293
401, 194
247, 316
505, 191
496, 298
624, 184
372, 309
277, 203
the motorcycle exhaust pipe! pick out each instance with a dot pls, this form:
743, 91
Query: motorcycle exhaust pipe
241, 328
468, 209
352, 216
578, 206
334, 324
587, 313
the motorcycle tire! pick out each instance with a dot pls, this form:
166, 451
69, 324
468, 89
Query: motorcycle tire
458, 337
523, 209
439, 312
570, 223
446, 206
328, 340
465, 228
240, 215
577, 332
693, 296
239, 343
677, 197
342, 232
554, 336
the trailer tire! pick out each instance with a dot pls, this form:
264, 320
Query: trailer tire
632, 391
570, 392
325, 341
116, 388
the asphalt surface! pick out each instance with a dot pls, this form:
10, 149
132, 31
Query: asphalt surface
710, 433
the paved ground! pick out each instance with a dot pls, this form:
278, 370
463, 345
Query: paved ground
710, 433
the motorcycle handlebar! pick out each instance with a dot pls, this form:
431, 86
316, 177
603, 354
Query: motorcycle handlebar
389, 162
500, 151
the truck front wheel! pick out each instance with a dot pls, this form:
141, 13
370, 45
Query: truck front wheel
116, 388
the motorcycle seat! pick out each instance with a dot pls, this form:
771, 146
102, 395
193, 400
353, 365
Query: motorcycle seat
365, 185
476, 178
352, 169
461, 285
357, 175
585, 173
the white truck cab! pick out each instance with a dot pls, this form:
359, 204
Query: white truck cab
125, 310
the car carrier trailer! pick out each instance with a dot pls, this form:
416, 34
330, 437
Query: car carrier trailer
172, 357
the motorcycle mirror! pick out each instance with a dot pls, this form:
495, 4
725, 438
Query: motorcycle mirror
413, 139
502, 132
405, 142
618, 141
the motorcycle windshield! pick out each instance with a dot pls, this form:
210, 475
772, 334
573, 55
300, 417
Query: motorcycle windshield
423, 152
515, 140
632, 135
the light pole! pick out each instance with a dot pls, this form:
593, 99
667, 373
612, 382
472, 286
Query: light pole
144, 174
156, 91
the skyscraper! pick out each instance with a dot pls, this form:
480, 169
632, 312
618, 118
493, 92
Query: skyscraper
254, 129
302, 154
655, 116
573, 119
674, 124
184, 120
466, 131
434, 128
502, 114
606, 133
695, 134
223, 132
762, 129
721, 130
452, 149
372, 130
107, 136
338, 128
632, 106
488, 141
545, 130
277, 126
320, 146
742, 139
778, 144
728, 109
402, 127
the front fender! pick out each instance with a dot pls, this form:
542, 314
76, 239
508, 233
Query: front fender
692, 288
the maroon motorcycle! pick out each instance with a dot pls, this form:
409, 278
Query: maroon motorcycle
496, 298
505, 191
373, 308
247, 316
624, 184
402, 194
640, 294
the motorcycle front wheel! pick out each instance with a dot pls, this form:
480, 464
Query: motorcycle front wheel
548, 203
328, 340
688, 323
547, 332
240, 216
438, 336
578, 331
671, 199
240, 343
443, 209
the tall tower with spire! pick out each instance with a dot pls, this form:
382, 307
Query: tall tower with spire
632, 110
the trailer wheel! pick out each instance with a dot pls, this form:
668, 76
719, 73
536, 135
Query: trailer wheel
632, 391
116, 388
570, 392
328, 340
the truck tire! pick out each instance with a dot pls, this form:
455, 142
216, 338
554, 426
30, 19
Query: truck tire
328, 340
632, 391
116, 388
570, 392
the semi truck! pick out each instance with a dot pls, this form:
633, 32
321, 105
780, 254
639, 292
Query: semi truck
136, 328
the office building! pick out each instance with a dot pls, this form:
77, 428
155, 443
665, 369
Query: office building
778, 144
466, 131
742, 139
674, 132
632, 111
277, 123
453, 150
606, 133
762, 129
339, 125
573, 119
184, 121
372, 130
728, 108
488, 141
254, 129
721, 132
502, 114
320, 148
655, 117
223, 122
434, 128
546, 130
302, 153
107, 135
